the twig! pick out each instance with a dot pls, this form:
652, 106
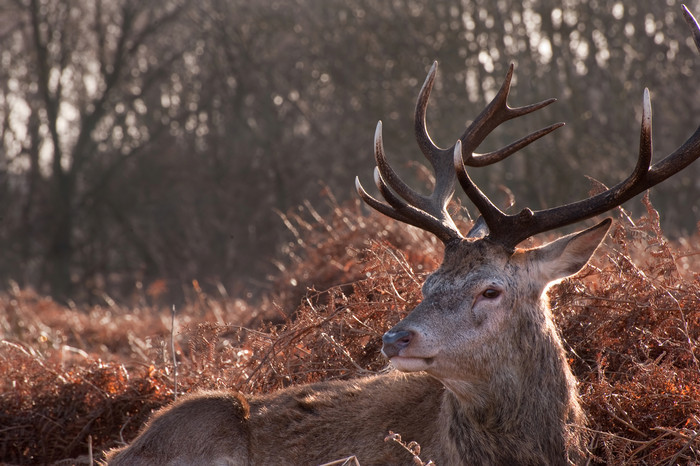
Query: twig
685, 447
349, 461
121, 431
610, 434
411, 447
90, 450
346, 353
172, 351
627, 422
648, 444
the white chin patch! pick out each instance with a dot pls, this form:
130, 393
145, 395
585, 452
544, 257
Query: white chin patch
409, 364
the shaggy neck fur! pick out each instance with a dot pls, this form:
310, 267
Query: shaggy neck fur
526, 413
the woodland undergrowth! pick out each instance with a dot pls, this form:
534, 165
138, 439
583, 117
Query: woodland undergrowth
76, 381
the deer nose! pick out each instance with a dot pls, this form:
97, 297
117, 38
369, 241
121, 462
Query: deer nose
395, 341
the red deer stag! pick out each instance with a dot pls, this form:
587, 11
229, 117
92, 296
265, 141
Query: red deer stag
482, 375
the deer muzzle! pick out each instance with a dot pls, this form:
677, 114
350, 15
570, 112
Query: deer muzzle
394, 341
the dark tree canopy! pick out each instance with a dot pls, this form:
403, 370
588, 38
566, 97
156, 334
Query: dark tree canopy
152, 142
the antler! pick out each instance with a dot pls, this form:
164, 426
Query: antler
512, 229
430, 212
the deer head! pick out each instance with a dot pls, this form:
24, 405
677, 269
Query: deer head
483, 306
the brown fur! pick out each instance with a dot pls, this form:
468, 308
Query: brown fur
487, 382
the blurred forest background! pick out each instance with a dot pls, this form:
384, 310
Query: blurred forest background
147, 144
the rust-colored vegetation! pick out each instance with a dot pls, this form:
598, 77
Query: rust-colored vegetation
78, 380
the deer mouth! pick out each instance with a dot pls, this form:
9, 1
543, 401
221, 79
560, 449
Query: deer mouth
411, 364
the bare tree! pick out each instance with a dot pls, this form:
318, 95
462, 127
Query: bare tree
149, 141
84, 72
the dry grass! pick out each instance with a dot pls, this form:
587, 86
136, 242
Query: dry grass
73, 377
633, 324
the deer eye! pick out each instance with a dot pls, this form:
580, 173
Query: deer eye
491, 293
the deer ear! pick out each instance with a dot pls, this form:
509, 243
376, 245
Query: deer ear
567, 255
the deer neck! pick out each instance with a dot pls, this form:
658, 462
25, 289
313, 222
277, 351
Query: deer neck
525, 411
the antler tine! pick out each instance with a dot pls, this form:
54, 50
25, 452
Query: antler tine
496, 113
483, 204
439, 160
378, 205
693, 24
430, 210
500, 225
482, 160
398, 209
426, 212
431, 151
645, 146
394, 181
